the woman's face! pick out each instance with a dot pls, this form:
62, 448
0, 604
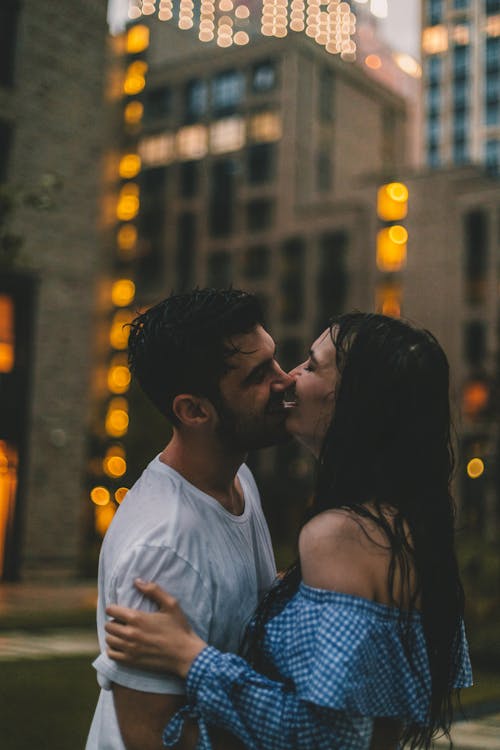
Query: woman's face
315, 381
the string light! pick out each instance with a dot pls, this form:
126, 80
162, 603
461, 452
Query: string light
330, 23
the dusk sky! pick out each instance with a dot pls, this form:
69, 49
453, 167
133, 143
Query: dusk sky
401, 29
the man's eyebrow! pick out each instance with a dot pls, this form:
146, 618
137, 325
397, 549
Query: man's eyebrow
261, 366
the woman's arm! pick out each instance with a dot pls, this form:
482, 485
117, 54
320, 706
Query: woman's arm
222, 688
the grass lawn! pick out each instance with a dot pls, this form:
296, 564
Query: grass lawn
46, 703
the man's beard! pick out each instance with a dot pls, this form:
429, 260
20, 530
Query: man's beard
249, 432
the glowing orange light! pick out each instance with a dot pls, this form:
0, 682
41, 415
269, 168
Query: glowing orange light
391, 248
6, 333
475, 397
114, 466
120, 494
119, 379
475, 468
100, 495
133, 113
119, 332
137, 39
130, 166
127, 238
392, 201
373, 61
117, 417
103, 515
123, 292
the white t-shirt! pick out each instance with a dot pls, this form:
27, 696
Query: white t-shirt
216, 564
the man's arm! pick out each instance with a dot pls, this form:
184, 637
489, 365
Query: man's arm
142, 718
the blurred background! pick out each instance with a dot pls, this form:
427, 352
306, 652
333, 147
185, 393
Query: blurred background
326, 156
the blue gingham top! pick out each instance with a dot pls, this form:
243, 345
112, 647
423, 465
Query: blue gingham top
341, 662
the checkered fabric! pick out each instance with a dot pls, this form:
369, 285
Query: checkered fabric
342, 661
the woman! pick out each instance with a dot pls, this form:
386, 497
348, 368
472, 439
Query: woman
365, 631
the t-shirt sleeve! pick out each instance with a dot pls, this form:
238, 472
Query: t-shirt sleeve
177, 576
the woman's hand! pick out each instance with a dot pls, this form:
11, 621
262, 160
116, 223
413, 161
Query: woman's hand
163, 641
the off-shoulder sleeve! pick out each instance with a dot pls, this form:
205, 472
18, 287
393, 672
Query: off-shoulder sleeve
343, 660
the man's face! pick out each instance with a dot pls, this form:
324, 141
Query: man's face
251, 412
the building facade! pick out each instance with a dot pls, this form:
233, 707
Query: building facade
51, 138
461, 82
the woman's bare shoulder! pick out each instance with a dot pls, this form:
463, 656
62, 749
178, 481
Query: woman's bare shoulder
343, 551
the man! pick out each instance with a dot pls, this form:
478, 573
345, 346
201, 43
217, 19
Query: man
193, 521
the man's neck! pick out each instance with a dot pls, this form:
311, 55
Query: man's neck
209, 467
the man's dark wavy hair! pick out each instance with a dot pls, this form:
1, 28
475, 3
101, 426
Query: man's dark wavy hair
183, 344
389, 442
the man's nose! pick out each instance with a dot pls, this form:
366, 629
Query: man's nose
282, 381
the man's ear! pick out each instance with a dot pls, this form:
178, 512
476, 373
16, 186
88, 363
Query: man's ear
191, 410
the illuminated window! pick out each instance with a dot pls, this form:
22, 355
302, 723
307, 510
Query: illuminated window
461, 34
7, 343
137, 39
388, 300
132, 114
130, 166
119, 332
265, 127
8, 487
192, 142
475, 398
408, 64
391, 248
156, 150
493, 26
392, 201
227, 135
435, 40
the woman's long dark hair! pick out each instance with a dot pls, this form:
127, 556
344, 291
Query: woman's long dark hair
389, 444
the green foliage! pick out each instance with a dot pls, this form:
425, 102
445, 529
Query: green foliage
46, 703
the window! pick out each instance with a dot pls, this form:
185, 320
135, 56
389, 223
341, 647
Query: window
152, 188
433, 129
323, 172
219, 269
475, 343
151, 225
433, 101
476, 255
260, 214
189, 178
290, 353
492, 6
460, 94
257, 262
228, 89
5, 139
326, 94
433, 155
460, 124
9, 10
186, 248
460, 151
157, 103
434, 11
261, 162
493, 55
292, 280
195, 100
264, 76
331, 282
460, 62
227, 135
434, 70
222, 194
493, 156
460, 4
